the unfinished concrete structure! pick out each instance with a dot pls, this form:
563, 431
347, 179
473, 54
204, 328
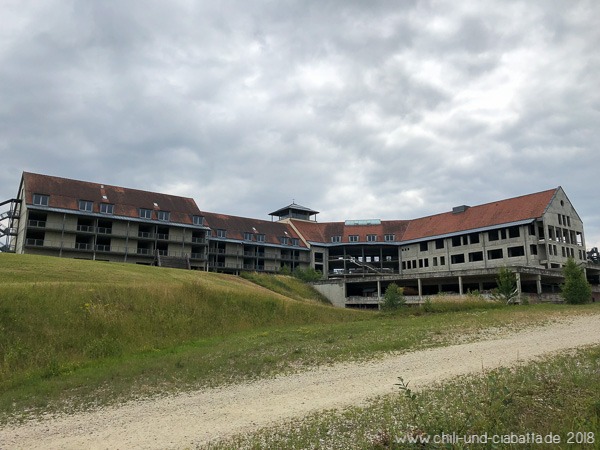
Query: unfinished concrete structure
455, 251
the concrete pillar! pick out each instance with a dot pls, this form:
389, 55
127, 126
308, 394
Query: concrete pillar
420, 284
518, 287
379, 294
539, 284
481, 286
460, 286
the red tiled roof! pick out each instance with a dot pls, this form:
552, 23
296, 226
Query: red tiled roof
65, 194
525, 207
516, 209
323, 232
237, 226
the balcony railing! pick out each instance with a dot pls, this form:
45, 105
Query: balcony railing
197, 240
146, 234
34, 242
104, 230
103, 248
83, 246
37, 223
85, 228
144, 251
162, 236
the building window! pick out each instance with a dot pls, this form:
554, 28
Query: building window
513, 232
107, 208
389, 238
260, 238
145, 213
439, 244
435, 261
495, 254
442, 260
40, 199
475, 256
474, 238
493, 235
423, 246
456, 241
198, 220
295, 242
353, 238
336, 239
371, 237
85, 205
163, 215
221, 233
560, 222
248, 236
457, 259
283, 240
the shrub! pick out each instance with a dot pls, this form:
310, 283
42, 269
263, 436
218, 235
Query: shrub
506, 291
575, 290
393, 298
309, 274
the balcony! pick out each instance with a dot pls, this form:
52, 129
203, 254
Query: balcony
103, 248
34, 242
104, 230
162, 236
83, 246
144, 251
197, 240
145, 235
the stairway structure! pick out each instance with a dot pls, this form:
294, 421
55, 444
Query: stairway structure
7, 224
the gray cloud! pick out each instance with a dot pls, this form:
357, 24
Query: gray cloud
356, 109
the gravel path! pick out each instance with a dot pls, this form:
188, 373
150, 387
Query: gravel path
184, 420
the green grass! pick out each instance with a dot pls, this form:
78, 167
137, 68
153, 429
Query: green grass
78, 333
286, 285
557, 396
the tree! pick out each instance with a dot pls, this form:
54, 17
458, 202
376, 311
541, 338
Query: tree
507, 290
393, 298
576, 289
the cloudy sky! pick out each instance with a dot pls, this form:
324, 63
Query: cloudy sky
358, 109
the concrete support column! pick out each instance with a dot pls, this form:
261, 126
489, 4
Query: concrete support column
481, 286
440, 288
420, 285
460, 286
379, 294
518, 287
539, 284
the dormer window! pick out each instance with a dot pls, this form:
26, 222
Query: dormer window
221, 233
389, 238
86, 205
283, 240
336, 239
145, 213
40, 199
260, 238
163, 215
107, 208
198, 220
248, 236
353, 238
371, 237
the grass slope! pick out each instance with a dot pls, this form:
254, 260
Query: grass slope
77, 333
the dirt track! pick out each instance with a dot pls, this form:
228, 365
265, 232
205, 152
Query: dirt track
185, 420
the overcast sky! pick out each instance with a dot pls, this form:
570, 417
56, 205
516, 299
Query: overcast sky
358, 109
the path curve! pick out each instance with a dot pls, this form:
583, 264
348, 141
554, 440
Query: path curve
185, 420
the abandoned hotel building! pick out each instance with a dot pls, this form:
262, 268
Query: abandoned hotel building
455, 251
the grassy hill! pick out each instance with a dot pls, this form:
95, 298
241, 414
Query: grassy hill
54, 310
75, 333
